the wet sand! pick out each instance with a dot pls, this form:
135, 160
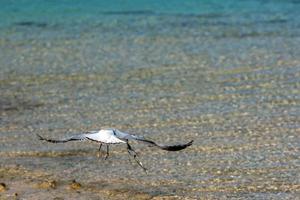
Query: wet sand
237, 96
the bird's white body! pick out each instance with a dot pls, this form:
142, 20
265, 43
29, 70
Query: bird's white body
107, 136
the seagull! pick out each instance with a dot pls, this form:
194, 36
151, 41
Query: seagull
114, 136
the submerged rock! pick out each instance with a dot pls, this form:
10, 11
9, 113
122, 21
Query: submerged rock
75, 185
3, 187
32, 24
48, 184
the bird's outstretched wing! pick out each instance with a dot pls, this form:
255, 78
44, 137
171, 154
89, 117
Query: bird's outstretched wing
127, 136
71, 138
176, 147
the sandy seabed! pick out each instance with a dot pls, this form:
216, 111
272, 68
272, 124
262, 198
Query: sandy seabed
236, 95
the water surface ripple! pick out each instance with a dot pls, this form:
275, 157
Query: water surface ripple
224, 73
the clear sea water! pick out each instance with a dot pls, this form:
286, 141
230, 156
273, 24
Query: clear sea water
18, 18
225, 73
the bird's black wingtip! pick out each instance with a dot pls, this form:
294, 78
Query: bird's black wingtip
177, 147
40, 137
190, 143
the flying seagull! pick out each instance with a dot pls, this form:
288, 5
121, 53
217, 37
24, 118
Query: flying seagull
114, 136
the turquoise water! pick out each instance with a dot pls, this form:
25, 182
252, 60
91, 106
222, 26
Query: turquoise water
140, 16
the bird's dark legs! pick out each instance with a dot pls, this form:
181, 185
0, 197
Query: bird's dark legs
107, 152
99, 150
131, 152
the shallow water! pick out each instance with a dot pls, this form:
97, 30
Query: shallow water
223, 73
